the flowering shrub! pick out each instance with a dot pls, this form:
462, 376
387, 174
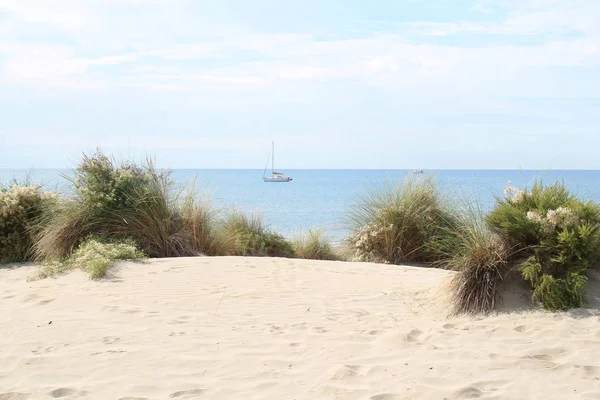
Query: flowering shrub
558, 236
20, 209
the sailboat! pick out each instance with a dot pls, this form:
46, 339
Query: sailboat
275, 176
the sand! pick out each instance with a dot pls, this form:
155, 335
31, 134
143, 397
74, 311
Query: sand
265, 328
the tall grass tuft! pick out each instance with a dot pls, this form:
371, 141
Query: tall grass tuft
118, 201
559, 236
314, 246
481, 259
400, 223
199, 224
246, 235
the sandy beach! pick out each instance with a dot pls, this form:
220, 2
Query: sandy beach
269, 328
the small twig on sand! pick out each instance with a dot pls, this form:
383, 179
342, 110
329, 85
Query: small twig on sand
218, 305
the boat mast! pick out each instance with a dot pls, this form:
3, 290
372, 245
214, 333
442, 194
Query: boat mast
273, 157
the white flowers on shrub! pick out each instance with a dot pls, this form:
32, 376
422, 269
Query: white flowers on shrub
515, 194
365, 241
562, 217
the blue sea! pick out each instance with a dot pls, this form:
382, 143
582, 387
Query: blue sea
322, 198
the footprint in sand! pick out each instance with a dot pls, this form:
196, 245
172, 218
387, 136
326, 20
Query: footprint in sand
478, 389
42, 350
470, 392
14, 396
412, 336
110, 340
521, 328
346, 372
276, 329
589, 369
134, 398
62, 392
181, 320
187, 393
387, 396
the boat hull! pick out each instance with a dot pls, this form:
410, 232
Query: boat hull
277, 179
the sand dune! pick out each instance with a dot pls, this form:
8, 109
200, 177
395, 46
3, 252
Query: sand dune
263, 328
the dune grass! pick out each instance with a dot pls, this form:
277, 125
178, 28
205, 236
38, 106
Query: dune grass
94, 257
246, 235
117, 201
314, 246
399, 223
481, 259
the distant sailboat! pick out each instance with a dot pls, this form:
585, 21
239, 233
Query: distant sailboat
275, 176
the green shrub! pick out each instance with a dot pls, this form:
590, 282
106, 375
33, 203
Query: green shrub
314, 246
94, 257
247, 236
401, 223
119, 201
559, 238
20, 210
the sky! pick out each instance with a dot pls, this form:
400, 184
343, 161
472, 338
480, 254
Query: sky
384, 84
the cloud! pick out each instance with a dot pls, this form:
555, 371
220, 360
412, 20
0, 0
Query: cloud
264, 61
200, 59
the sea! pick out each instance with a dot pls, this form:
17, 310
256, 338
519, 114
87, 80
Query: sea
322, 199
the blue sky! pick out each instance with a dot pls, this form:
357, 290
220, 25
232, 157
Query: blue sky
336, 83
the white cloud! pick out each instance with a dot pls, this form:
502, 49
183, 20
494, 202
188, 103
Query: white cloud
187, 57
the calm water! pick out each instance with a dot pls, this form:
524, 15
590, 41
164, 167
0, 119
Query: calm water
321, 198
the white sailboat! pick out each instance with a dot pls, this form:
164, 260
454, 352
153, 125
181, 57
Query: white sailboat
275, 176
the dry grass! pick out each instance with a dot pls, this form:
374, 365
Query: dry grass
482, 260
315, 246
246, 235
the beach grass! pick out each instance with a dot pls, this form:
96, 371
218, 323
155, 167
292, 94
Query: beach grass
245, 234
118, 201
481, 259
315, 246
401, 222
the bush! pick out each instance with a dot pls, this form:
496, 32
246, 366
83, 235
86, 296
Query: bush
314, 246
481, 259
20, 210
126, 201
401, 223
247, 236
559, 238
94, 257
